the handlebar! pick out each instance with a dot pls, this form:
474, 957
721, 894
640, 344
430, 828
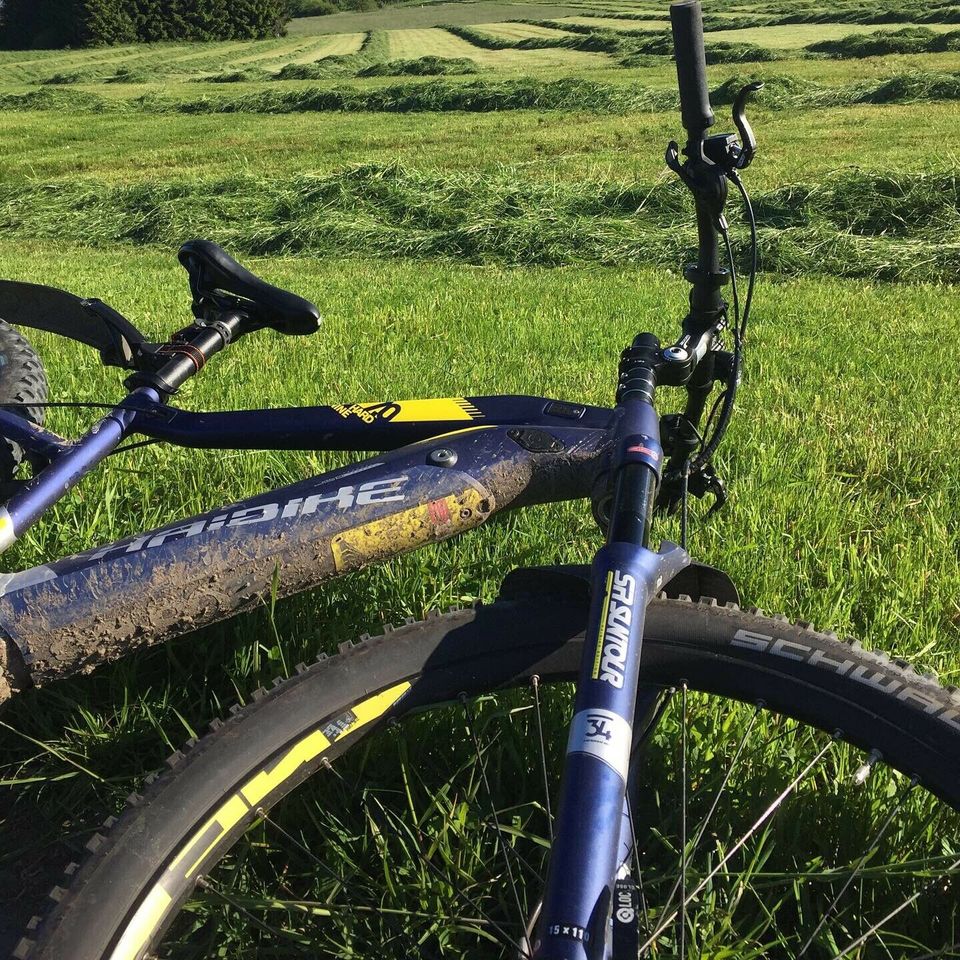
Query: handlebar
686, 20
703, 174
698, 360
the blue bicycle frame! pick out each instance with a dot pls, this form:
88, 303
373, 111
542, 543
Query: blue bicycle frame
352, 427
457, 461
451, 464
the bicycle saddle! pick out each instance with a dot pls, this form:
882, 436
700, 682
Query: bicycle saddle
212, 270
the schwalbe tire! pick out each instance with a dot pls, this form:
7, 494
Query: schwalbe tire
873, 701
23, 380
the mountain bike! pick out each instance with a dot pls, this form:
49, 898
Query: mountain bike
409, 795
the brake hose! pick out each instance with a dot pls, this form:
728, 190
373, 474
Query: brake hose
739, 331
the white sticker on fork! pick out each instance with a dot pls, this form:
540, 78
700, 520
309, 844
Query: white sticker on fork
7, 536
604, 735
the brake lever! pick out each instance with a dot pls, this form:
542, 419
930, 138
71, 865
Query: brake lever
706, 481
748, 140
672, 160
704, 183
702, 483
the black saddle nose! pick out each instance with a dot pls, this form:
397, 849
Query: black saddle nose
213, 270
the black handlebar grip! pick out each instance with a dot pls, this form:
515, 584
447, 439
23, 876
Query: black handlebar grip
687, 22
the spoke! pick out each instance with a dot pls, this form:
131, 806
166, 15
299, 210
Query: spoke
702, 829
764, 817
300, 846
863, 938
636, 861
654, 722
505, 937
535, 683
230, 901
451, 823
683, 821
495, 827
531, 927
330, 768
872, 846
536, 873
493, 811
636, 760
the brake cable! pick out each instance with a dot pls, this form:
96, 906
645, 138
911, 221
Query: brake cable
50, 404
80, 405
739, 331
722, 408
752, 221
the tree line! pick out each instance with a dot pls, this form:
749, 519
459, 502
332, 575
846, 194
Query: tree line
48, 24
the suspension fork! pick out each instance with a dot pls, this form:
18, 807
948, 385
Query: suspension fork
626, 575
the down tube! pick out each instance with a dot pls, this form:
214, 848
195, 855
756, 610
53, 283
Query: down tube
96, 606
576, 911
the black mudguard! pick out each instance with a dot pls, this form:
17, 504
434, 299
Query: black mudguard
572, 581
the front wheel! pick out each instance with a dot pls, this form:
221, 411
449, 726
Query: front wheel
395, 800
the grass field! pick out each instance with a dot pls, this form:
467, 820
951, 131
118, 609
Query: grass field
519, 249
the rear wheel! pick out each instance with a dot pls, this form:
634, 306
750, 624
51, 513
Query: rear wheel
396, 800
22, 382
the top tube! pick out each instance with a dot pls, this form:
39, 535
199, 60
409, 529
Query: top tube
356, 427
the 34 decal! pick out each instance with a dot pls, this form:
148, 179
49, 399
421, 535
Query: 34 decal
602, 734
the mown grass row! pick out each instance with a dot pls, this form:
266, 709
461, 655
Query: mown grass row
371, 60
868, 14
429, 66
375, 48
590, 40
478, 96
886, 226
524, 93
632, 48
883, 42
784, 90
629, 45
865, 14
355, 65
153, 63
344, 67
